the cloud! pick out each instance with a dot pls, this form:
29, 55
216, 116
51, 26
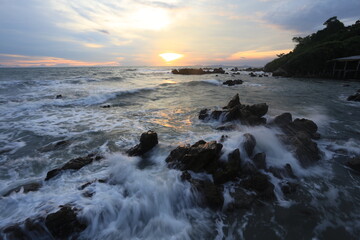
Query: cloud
93, 45
12, 60
309, 15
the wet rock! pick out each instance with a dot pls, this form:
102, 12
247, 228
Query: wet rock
354, 163
148, 140
259, 110
249, 168
204, 114
73, 164
185, 176
260, 183
230, 170
197, 71
235, 101
233, 82
106, 106
15, 232
64, 223
283, 119
29, 187
242, 199
249, 144
260, 160
288, 187
59, 96
200, 157
226, 127
355, 97
305, 125
285, 172
55, 146
306, 151
223, 138
212, 194
216, 114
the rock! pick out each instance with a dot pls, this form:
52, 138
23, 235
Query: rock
283, 119
259, 110
260, 160
346, 85
106, 106
74, 164
200, 157
148, 140
216, 114
355, 97
249, 144
288, 187
280, 72
242, 200
260, 183
185, 176
55, 146
231, 170
354, 163
204, 114
235, 101
195, 71
212, 194
233, 82
228, 127
285, 172
249, 168
306, 151
59, 96
305, 125
64, 223
29, 187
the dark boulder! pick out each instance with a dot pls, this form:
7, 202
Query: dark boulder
55, 146
283, 119
285, 172
355, 97
216, 114
288, 187
260, 160
204, 113
354, 163
230, 170
249, 144
200, 157
233, 82
212, 194
74, 164
249, 168
59, 96
64, 223
148, 140
258, 110
29, 187
260, 183
235, 101
306, 151
242, 199
305, 125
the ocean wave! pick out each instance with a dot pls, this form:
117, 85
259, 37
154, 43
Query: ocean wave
207, 81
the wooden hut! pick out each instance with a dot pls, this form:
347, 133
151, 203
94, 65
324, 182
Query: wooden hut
344, 68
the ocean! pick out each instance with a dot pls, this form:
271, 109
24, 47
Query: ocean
104, 110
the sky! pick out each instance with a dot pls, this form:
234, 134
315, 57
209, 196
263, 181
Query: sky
59, 33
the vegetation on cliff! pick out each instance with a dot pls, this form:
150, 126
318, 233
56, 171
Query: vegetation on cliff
312, 52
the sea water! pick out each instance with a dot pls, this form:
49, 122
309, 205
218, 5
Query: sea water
105, 110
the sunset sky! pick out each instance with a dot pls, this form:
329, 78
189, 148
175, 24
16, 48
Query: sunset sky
136, 32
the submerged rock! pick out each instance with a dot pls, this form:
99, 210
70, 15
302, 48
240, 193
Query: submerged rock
202, 156
55, 146
64, 223
28, 187
148, 141
354, 163
74, 164
355, 97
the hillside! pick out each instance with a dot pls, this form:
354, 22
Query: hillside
312, 52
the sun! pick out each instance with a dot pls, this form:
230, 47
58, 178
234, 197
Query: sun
168, 57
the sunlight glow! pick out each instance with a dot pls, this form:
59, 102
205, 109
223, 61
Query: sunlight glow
168, 57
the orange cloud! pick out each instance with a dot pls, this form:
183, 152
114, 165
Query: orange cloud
11, 60
254, 54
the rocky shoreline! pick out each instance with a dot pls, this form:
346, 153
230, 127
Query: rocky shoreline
251, 181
